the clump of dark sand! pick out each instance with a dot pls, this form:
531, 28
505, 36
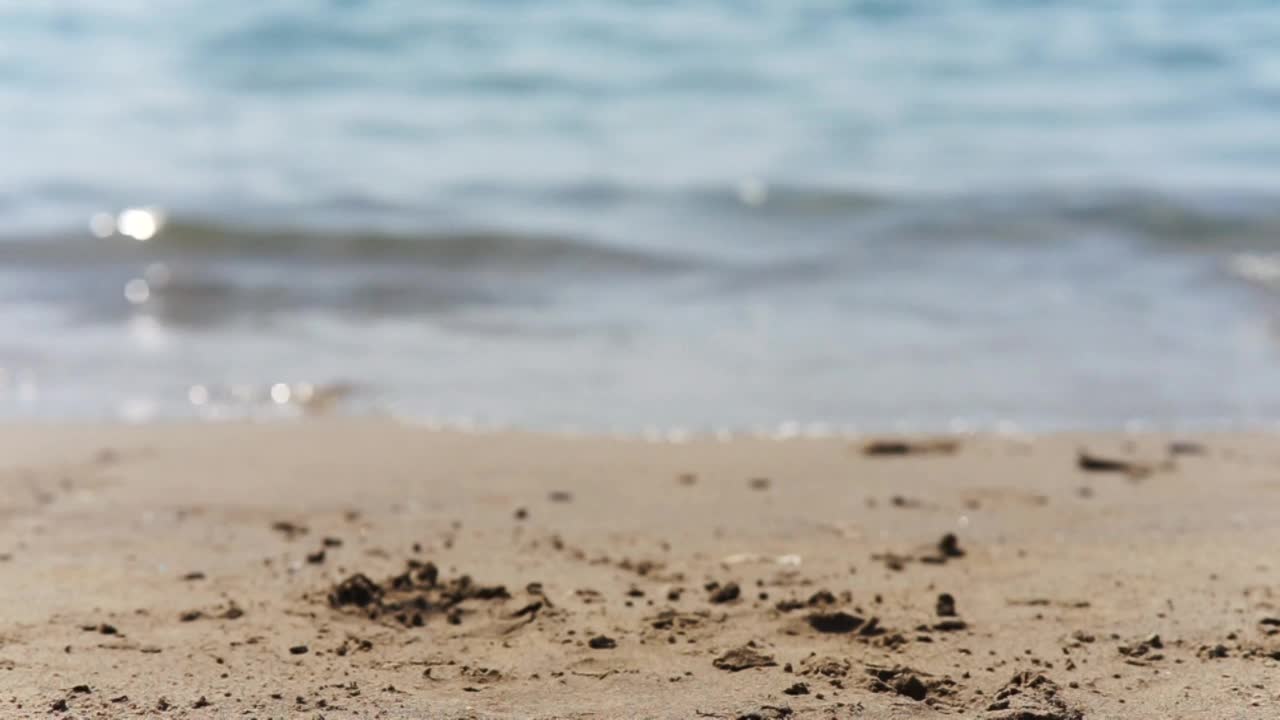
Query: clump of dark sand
412, 597
1096, 463
948, 548
1031, 695
890, 448
907, 682
742, 658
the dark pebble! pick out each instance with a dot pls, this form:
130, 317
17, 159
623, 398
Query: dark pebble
836, 622
601, 642
726, 594
946, 606
949, 546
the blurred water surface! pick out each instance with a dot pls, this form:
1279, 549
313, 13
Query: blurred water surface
619, 214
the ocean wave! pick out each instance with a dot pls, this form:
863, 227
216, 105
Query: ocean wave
611, 227
1226, 220
450, 250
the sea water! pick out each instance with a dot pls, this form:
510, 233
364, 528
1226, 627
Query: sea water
624, 214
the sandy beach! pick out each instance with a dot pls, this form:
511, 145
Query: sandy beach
529, 360
369, 569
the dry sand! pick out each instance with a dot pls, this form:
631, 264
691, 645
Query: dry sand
190, 571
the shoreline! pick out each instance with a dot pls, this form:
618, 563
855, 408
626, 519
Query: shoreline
750, 578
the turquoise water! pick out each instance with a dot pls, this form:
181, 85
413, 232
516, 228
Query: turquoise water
619, 214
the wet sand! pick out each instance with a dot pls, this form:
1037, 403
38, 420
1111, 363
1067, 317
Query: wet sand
368, 569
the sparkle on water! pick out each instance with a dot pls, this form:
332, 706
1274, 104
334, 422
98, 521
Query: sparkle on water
141, 224
137, 291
